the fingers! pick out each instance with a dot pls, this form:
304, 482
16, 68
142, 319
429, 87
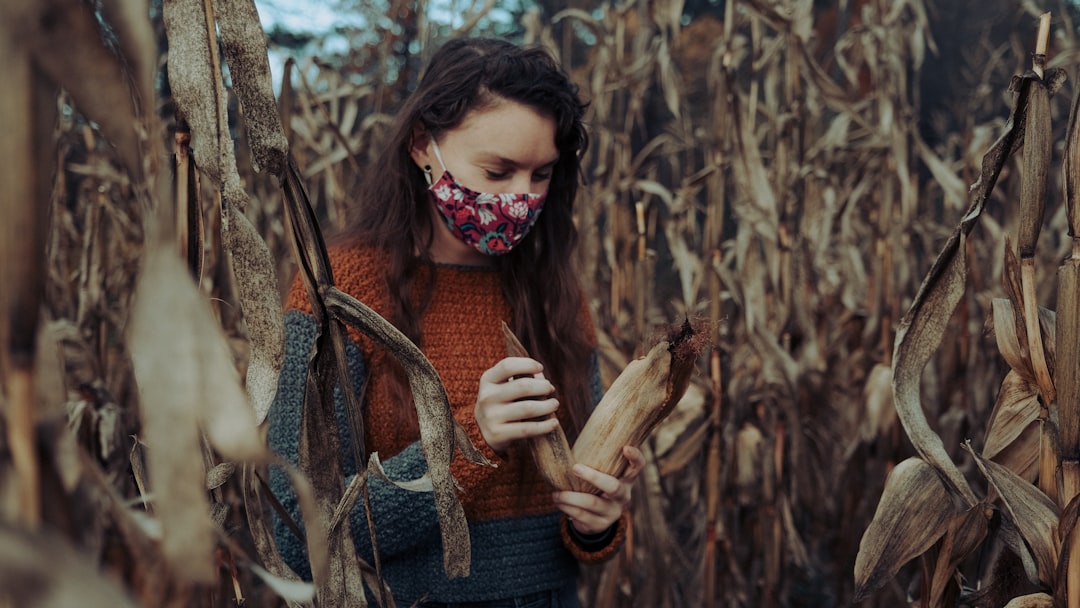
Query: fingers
637, 462
589, 513
514, 402
511, 367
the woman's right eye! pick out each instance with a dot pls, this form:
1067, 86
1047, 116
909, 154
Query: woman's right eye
496, 174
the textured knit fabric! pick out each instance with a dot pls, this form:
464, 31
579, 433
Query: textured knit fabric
520, 543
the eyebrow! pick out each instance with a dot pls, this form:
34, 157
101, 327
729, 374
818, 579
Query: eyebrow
514, 163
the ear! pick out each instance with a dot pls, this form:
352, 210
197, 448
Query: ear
420, 146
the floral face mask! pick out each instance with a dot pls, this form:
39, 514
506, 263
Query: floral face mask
493, 224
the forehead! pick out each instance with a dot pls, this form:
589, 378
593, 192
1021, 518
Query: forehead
509, 130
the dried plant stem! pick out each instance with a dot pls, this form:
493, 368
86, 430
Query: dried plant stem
1041, 43
1067, 366
20, 425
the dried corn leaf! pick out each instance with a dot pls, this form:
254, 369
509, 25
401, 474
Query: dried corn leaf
1033, 514
262, 537
440, 434
966, 532
194, 82
244, 44
1012, 434
256, 278
219, 475
1011, 345
922, 328
915, 510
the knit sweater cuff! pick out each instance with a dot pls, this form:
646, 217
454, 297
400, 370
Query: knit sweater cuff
592, 555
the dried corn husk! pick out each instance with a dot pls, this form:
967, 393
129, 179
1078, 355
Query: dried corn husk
639, 398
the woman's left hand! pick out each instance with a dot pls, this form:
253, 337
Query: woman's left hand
593, 514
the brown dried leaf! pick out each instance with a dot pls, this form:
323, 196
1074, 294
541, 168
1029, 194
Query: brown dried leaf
1006, 333
193, 81
244, 44
256, 279
966, 532
1034, 515
922, 328
440, 434
1012, 435
915, 510
262, 537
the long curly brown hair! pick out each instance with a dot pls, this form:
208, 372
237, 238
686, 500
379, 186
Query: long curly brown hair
467, 75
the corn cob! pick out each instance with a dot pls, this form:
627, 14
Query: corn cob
637, 401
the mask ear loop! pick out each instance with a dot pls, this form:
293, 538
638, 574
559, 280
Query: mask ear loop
438, 155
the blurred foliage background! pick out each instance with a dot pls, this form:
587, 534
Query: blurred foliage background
785, 169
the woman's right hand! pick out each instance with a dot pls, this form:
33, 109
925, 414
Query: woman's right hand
512, 395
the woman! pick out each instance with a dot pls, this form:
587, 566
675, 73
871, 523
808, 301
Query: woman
466, 222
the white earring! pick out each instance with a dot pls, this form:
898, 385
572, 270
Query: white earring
427, 174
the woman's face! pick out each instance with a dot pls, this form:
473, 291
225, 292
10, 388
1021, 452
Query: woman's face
507, 148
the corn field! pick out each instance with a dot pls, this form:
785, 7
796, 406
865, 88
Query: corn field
870, 204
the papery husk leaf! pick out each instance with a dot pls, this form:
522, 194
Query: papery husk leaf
749, 452
915, 510
338, 579
256, 279
1034, 515
129, 20
1033, 600
966, 533
922, 328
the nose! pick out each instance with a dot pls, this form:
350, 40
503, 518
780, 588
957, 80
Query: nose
521, 183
